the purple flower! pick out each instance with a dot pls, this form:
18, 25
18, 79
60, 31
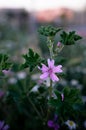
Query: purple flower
7, 72
53, 123
1, 93
59, 44
50, 70
3, 126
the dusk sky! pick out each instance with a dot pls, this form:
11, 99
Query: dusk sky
34, 5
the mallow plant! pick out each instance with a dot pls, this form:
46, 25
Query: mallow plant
49, 107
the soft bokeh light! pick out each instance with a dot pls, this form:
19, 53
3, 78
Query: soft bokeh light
34, 5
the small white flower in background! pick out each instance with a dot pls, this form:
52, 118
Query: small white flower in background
80, 86
71, 124
7, 72
78, 69
21, 75
84, 71
12, 80
85, 124
74, 82
46, 82
35, 88
63, 82
35, 76
84, 98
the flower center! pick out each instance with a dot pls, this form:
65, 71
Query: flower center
50, 71
71, 123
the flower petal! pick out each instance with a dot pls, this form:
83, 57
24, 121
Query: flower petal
44, 75
1, 124
57, 69
54, 77
56, 127
44, 68
6, 127
50, 123
50, 63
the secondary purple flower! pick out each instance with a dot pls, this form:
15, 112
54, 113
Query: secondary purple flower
53, 123
7, 72
50, 70
3, 126
59, 47
2, 93
59, 44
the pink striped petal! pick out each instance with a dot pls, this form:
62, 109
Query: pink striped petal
57, 69
44, 75
44, 68
54, 77
50, 63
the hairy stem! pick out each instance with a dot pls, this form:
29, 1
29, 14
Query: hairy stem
36, 110
50, 89
50, 94
50, 46
51, 50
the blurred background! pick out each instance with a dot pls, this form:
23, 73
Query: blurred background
19, 22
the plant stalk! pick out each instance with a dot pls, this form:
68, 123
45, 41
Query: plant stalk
35, 108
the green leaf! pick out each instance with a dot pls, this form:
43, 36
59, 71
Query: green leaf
77, 37
70, 106
32, 59
48, 30
4, 62
60, 60
69, 38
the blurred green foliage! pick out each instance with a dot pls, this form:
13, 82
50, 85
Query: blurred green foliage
5, 64
69, 38
32, 60
17, 105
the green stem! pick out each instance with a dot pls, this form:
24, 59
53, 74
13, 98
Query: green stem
1, 63
50, 94
35, 108
50, 46
51, 50
48, 113
50, 89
